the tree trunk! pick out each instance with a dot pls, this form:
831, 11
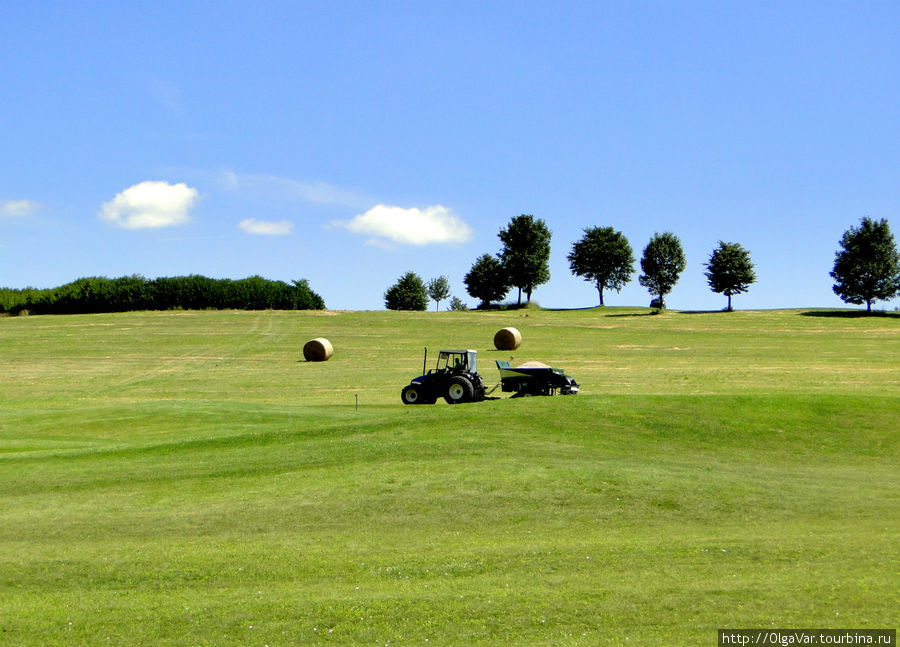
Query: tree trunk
520, 297
729, 303
600, 290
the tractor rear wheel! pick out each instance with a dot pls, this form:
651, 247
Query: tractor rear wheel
459, 390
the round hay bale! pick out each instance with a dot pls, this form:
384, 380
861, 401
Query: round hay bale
507, 339
317, 350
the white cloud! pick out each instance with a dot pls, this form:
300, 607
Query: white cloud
19, 208
435, 224
229, 181
264, 228
167, 95
274, 188
150, 205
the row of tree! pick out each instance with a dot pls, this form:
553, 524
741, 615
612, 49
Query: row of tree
866, 269
411, 293
127, 293
602, 256
523, 262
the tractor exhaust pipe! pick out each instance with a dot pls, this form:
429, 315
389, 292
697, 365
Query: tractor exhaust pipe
425, 362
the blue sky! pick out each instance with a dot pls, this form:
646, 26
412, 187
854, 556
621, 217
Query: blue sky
350, 142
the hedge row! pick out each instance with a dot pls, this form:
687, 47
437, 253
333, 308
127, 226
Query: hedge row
101, 294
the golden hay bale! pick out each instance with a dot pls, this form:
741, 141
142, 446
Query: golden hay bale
317, 350
507, 339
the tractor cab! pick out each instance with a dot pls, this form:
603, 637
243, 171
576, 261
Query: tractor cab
457, 361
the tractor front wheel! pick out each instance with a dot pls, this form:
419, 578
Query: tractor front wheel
413, 394
459, 390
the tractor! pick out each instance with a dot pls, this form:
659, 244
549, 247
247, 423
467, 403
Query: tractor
455, 378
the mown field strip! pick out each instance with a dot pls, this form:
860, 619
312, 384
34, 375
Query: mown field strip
187, 479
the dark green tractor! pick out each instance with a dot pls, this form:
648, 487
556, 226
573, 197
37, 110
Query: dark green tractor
455, 378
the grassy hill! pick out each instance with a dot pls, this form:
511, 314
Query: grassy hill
185, 478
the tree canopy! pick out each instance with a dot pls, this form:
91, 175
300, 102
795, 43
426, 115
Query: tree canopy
604, 257
456, 305
729, 270
408, 293
101, 294
438, 290
487, 280
867, 266
662, 263
526, 253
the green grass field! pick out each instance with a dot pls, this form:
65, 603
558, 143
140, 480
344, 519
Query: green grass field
184, 478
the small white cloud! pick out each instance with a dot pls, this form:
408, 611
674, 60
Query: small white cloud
150, 205
300, 191
19, 208
166, 94
264, 228
276, 189
229, 181
435, 224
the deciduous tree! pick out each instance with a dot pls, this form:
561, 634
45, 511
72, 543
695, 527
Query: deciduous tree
487, 280
729, 270
526, 253
604, 257
438, 290
408, 293
867, 266
662, 263
456, 305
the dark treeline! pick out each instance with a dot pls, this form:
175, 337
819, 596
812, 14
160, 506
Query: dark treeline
101, 294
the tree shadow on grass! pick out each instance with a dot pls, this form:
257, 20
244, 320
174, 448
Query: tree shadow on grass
651, 313
655, 311
850, 314
609, 311
606, 311
598, 308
